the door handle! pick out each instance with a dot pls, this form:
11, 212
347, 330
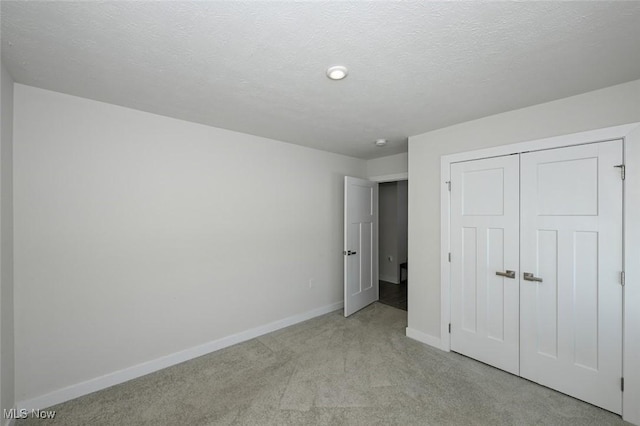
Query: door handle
349, 253
528, 276
508, 273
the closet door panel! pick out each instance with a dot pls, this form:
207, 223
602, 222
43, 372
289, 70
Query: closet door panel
571, 243
484, 241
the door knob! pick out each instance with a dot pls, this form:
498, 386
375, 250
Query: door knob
508, 273
528, 276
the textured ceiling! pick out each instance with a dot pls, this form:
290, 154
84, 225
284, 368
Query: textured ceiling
258, 67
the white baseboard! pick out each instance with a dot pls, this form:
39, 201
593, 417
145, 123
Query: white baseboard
425, 338
389, 279
120, 376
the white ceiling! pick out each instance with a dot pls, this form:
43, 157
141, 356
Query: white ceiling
259, 67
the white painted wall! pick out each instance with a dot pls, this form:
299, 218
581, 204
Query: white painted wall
138, 236
393, 167
7, 397
388, 232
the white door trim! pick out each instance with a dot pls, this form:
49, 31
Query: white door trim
630, 134
390, 178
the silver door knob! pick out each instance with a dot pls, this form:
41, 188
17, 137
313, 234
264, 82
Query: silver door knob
528, 276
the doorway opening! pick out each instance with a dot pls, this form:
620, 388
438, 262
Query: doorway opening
392, 252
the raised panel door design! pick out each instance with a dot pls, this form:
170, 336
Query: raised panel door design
568, 187
361, 244
484, 240
571, 238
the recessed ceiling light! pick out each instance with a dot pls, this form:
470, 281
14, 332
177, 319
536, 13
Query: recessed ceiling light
381, 142
337, 72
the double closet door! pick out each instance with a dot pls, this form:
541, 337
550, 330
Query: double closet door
536, 260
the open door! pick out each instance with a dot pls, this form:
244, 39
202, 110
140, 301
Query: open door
360, 244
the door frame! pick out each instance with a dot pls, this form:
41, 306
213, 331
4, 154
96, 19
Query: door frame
630, 136
397, 177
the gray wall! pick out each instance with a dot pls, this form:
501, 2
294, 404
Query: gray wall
393, 229
7, 397
388, 231
139, 236
391, 165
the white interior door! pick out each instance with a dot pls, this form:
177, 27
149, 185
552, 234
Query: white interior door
484, 247
571, 240
360, 244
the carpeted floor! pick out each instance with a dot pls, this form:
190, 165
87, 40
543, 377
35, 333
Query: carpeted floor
330, 371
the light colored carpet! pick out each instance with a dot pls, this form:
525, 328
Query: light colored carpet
331, 371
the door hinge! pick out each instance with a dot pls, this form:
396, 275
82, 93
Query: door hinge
449, 328
623, 169
622, 278
448, 185
449, 257
622, 384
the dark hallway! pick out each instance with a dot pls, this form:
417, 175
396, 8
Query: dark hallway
394, 294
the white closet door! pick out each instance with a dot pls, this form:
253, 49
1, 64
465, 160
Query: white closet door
571, 239
484, 241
